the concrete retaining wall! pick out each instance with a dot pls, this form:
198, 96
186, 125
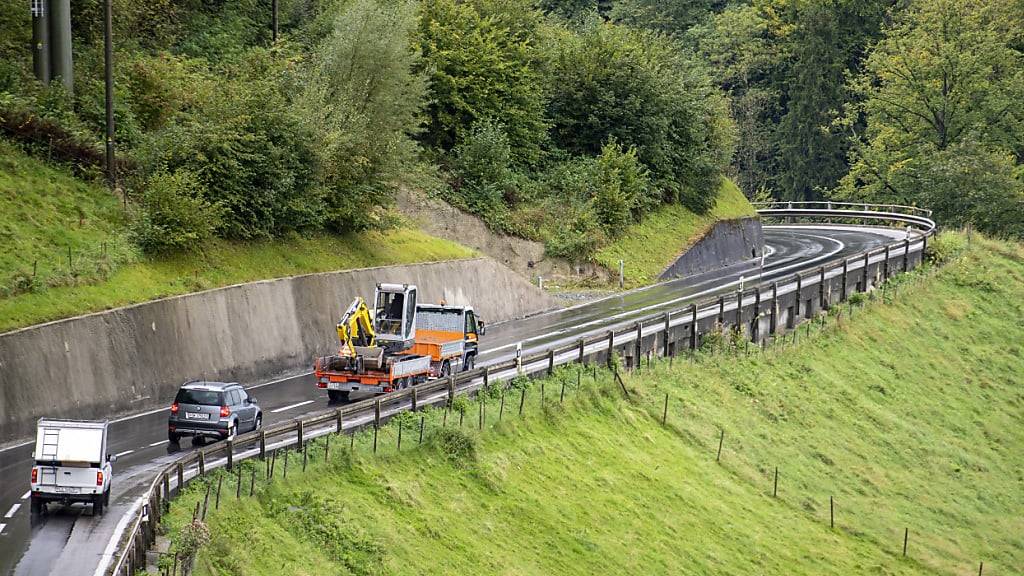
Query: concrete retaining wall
728, 243
132, 359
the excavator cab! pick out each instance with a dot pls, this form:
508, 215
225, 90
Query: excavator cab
394, 318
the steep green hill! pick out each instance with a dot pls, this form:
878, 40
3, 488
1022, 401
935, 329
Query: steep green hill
907, 415
66, 250
649, 246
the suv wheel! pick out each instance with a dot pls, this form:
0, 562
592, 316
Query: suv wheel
173, 437
97, 506
36, 506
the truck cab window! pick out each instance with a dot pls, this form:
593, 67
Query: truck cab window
470, 323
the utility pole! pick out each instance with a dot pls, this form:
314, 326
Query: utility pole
61, 64
108, 64
41, 41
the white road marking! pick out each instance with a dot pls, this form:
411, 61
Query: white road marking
283, 408
26, 495
2, 526
12, 511
125, 453
158, 443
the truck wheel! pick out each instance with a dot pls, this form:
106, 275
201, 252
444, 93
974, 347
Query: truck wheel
97, 506
337, 396
467, 364
446, 369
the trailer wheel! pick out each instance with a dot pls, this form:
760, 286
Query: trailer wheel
337, 396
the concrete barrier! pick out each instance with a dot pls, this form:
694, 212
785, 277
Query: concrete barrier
728, 243
132, 359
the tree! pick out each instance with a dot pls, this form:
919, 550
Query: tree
482, 58
944, 124
364, 102
746, 46
610, 82
828, 40
673, 18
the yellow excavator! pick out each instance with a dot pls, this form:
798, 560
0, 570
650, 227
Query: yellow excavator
356, 328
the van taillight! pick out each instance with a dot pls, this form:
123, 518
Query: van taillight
174, 408
35, 475
224, 412
99, 478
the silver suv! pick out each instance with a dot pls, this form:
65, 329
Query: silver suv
216, 410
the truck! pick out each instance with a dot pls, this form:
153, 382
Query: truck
71, 464
399, 344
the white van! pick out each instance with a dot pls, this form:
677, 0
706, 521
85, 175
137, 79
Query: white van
71, 464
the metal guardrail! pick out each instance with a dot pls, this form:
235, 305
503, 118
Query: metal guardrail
130, 554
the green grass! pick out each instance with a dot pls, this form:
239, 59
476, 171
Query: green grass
648, 247
44, 210
908, 414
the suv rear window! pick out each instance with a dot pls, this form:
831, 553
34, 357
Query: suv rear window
201, 397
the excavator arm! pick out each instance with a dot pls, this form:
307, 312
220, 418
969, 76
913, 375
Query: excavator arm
356, 328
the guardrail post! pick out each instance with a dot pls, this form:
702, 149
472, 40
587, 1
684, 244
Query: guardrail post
906, 255
739, 308
376, 411
416, 399
885, 273
821, 288
668, 328
263, 444
799, 297
846, 266
451, 390
693, 326
721, 310
181, 476
202, 463
773, 322
582, 345
339, 419
487, 377
864, 274
924, 246
611, 346
166, 501
298, 432
231, 453
551, 361
639, 343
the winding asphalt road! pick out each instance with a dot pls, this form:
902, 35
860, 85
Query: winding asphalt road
70, 541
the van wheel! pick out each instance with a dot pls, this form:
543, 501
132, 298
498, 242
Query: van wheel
97, 506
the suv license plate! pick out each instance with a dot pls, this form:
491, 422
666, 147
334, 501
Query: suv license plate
66, 490
197, 416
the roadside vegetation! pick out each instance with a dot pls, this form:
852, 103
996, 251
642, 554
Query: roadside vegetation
69, 253
902, 409
648, 247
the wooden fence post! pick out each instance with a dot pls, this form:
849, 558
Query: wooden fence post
229, 447
906, 536
664, 413
721, 440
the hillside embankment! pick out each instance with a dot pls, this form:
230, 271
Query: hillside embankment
896, 416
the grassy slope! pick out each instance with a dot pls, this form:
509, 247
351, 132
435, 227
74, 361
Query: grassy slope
44, 210
650, 246
909, 414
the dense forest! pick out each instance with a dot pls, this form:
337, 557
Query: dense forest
557, 120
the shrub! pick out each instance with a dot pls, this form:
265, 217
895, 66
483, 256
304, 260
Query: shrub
454, 444
174, 214
945, 246
482, 164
